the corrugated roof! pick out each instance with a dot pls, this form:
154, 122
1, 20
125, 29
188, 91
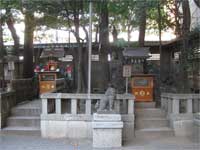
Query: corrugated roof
139, 52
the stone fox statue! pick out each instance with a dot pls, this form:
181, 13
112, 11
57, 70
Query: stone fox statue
107, 103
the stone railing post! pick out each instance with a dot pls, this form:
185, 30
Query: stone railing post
117, 105
189, 106
88, 107
162, 102
44, 106
130, 106
58, 106
169, 105
196, 106
74, 106
125, 105
175, 106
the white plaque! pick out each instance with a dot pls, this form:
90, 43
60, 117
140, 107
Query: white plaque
127, 71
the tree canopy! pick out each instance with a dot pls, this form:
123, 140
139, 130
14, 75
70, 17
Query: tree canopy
109, 17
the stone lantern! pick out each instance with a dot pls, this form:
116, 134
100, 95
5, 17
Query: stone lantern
10, 67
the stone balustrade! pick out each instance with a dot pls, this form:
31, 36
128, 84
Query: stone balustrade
7, 101
70, 115
174, 103
180, 109
74, 99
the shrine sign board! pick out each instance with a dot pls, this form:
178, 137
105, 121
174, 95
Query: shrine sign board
127, 71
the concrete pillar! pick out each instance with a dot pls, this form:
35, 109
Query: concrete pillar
74, 106
44, 106
88, 107
130, 106
189, 106
175, 106
58, 106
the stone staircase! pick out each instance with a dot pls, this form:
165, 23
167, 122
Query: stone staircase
25, 117
150, 121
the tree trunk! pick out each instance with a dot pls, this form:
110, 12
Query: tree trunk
104, 47
114, 34
96, 34
129, 35
160, 30
10, 24
2, 52
177, 18
185, 49
142, 25
28, 45
103, 32
1, 39
80, 82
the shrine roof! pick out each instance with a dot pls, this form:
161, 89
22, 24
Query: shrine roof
57, 53
136, 52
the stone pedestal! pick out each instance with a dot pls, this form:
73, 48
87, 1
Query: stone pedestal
107, 130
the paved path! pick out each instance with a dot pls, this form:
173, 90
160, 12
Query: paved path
11, 141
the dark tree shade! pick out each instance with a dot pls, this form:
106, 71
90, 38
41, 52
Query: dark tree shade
197, 2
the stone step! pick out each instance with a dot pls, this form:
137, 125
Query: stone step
34, 111
142, 123
154, 132
33, 131
23, 121
149, 113
145, 104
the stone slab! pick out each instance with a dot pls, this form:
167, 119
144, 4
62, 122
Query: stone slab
107, 125
107, 138
107, 131
66, 129
106, 117
183, 128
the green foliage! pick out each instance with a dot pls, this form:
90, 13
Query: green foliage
123, 14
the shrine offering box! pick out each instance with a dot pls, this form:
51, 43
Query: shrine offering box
143, 87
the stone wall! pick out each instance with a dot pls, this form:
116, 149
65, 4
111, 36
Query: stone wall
79, 126
7, 101
22, 90
26, 89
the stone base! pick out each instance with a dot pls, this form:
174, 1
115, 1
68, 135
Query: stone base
196, 129
182, 124
107, 130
